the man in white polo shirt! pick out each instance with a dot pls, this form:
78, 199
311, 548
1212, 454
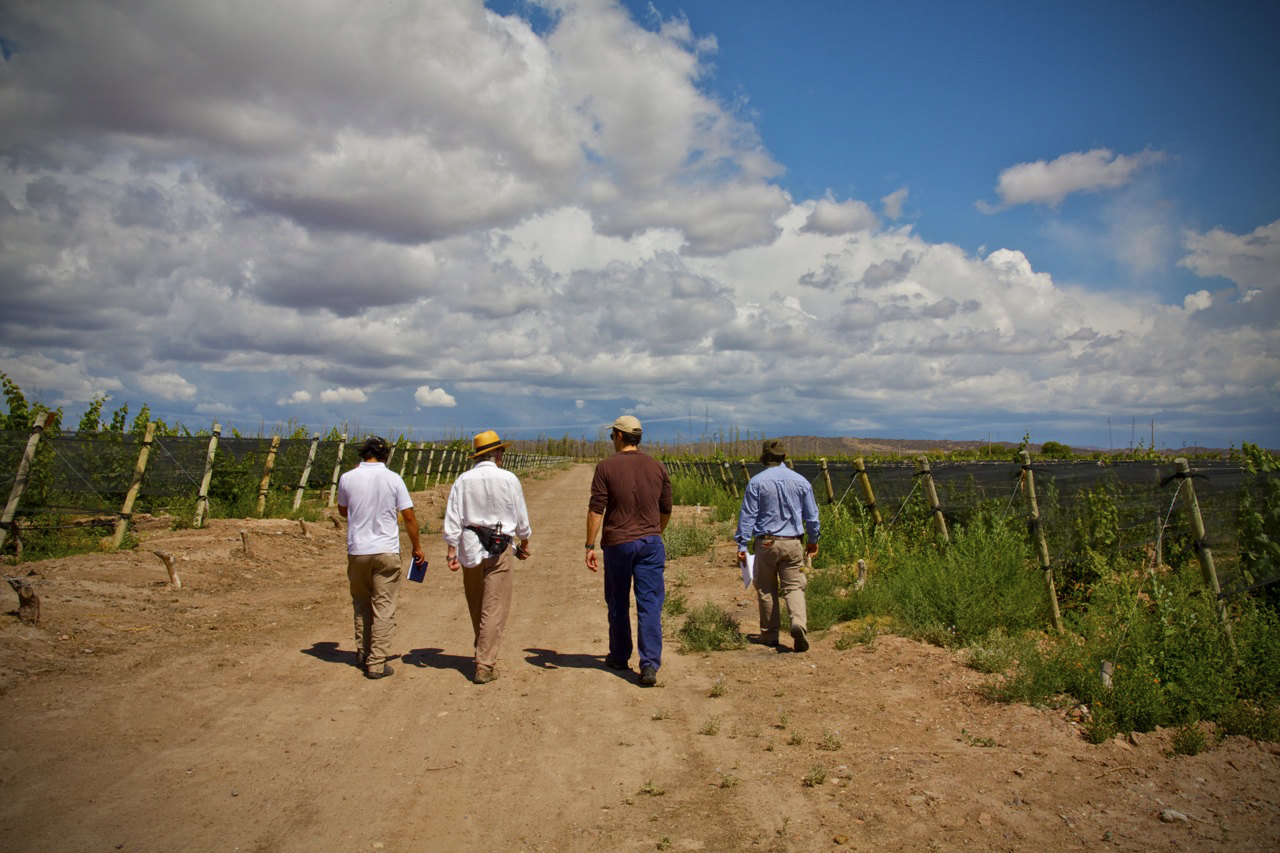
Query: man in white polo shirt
370, 497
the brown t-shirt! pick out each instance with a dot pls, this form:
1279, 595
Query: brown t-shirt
632, 491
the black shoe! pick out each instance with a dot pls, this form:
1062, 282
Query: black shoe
648, 676
759, 640
614, 663
379, 673
802, 641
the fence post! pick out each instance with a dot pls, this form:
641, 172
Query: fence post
1203, 551
729, 483
23, 477
122, 523
265, 483
1042, 547
337, 470
202, 499
826, 477
404, 463
431, 458
868, 496
306, 470
931, 492
746, 474
417, 462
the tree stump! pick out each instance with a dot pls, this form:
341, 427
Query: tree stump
28, 601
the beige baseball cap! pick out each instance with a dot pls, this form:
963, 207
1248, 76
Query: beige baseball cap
628, 424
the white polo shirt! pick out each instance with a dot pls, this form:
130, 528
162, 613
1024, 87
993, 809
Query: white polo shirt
374, 496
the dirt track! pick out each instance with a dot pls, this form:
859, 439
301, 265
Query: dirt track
229, 715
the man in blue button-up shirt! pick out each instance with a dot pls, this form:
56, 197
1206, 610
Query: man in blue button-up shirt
778, 513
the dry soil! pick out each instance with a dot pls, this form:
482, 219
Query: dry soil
229, 714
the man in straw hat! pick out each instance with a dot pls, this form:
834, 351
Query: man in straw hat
370, 496
631, 501
485, 510
778, 512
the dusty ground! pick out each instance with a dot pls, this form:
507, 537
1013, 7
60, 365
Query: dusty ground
229, 715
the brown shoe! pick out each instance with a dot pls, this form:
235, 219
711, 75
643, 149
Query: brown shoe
485, 674
379, 672
801, 638
762, 640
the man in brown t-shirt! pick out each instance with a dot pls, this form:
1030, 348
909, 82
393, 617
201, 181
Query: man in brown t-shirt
631, 499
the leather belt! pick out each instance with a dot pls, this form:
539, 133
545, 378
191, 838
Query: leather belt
771, 536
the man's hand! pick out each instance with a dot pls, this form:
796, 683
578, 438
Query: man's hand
522, 550
451, 559
811, 549
742, 558
591, 560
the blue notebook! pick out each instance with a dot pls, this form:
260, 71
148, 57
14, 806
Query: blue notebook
417, 570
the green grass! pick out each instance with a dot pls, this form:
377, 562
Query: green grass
710, 629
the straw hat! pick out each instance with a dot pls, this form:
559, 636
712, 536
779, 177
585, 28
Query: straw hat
486, 442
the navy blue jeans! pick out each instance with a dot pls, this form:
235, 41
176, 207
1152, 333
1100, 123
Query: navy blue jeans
640, 561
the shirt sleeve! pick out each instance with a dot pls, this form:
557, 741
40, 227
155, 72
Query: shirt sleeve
453, 518
523, 530
664, 500
746, 517
812, 526
599, 492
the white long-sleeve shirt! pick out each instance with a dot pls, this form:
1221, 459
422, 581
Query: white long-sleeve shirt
484, 496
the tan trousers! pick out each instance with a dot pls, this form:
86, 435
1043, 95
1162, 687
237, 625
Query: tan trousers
779, 571
375, 584
488, 588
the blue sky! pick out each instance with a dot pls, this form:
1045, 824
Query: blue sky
911, 220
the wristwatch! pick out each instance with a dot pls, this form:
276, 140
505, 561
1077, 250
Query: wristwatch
590, 546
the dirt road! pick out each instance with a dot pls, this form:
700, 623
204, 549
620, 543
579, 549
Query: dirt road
229, 715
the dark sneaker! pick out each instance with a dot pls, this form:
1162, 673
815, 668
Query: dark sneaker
648, 676
485, 674
801, 640
379, 673
614, 663
762, 640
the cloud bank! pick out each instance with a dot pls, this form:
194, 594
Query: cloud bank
432, 215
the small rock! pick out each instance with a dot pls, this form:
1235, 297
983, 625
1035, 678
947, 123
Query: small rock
984, 819
840, 839
1171, 816
234, 792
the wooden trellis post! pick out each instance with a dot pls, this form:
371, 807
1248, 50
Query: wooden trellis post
126, 510
826, 478
431, 458
23, 477
868, 496
1203, 551
306, 470
202, 499
417, 462
746, 474
1042, 546
337, 470
931, 492
265, 483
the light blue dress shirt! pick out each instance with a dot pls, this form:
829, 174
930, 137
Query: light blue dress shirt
777, 502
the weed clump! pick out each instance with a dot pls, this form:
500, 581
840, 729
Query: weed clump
710, 629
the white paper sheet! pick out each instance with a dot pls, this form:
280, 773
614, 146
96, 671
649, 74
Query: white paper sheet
748, 570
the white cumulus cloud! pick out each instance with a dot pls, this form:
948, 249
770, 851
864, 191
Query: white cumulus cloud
1050, 181
343, 395
429, 397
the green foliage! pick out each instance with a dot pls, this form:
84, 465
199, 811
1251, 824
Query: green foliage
91, 420
1054, 450
710, 629
1258, 517
683, 540
19, 418
690, 489
957, 594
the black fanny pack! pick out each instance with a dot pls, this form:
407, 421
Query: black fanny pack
492, 539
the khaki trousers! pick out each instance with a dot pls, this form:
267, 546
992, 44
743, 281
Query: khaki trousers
375, 584
488, 588
779, 570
